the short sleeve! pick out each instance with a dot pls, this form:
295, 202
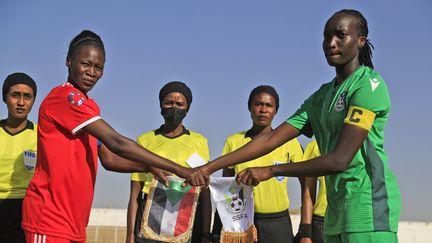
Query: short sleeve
138, 176
73, 111
296, 151
203, 150
311, 151
227, 149
372, 94
369, 101
300, 118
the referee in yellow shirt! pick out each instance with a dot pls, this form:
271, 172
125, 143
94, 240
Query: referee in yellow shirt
271, 201
18, 139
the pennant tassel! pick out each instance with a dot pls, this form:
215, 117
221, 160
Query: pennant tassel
249, 236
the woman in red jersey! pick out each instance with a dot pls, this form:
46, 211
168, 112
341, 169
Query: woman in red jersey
59, 198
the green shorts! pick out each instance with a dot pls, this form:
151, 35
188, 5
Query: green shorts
363, 237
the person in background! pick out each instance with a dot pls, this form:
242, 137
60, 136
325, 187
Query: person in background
18, 139
271, 203
172, 141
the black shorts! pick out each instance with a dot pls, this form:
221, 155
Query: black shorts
274, 227
10, 221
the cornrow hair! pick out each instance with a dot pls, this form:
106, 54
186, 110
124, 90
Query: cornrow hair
85, 38
365, 55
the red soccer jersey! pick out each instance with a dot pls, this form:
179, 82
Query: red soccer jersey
60, 195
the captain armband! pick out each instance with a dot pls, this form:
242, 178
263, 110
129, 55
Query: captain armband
360, 117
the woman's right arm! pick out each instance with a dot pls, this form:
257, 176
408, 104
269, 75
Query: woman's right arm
129, 149
135, 196
258, 147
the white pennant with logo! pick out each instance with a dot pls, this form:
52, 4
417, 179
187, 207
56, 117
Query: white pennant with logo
234, 203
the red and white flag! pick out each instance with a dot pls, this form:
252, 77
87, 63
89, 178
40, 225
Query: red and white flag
170, 211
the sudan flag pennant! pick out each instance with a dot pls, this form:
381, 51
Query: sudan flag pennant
170, 211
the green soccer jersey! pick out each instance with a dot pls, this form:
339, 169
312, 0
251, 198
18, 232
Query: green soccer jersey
366, 196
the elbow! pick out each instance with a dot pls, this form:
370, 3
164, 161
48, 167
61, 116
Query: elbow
338, 164
107, 163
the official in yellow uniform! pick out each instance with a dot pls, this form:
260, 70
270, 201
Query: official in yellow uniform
271, 201
174, 142
18, 139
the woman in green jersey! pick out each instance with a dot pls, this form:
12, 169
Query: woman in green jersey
347, 116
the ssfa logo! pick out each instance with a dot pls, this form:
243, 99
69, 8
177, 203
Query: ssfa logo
75, 98
340, 103
235, 202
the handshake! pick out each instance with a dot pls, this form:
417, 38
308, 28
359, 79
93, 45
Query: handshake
200, 176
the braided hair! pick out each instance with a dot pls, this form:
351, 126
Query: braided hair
85, 38
365, 55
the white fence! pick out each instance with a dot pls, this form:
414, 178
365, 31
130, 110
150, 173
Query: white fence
409, 232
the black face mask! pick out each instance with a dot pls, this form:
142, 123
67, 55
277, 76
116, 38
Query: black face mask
173, 114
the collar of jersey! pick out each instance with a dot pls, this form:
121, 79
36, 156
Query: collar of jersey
29, 125
159, 132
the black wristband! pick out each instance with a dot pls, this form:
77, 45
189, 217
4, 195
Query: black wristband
305, 230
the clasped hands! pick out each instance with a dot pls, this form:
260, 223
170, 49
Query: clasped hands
200, 176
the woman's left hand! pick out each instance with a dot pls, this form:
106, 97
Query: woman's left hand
254, 175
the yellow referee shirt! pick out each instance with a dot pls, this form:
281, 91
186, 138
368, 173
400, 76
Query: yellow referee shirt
17, 160
270, 196
320, 206
178, 149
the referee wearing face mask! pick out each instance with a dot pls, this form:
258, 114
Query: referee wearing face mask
172, 141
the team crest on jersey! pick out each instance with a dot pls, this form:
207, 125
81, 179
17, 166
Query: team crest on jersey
75, 98
340, 103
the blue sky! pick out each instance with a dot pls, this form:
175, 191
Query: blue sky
223, 49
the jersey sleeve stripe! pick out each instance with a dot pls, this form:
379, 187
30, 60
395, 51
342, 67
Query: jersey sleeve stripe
82, 125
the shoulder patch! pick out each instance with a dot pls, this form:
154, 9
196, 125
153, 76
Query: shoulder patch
374, 83
75, 98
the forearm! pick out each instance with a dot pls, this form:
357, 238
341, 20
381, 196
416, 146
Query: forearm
131, 215
113, 162
130, 150
308, 199
205, 210
319, 166
256, 148
134, 198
